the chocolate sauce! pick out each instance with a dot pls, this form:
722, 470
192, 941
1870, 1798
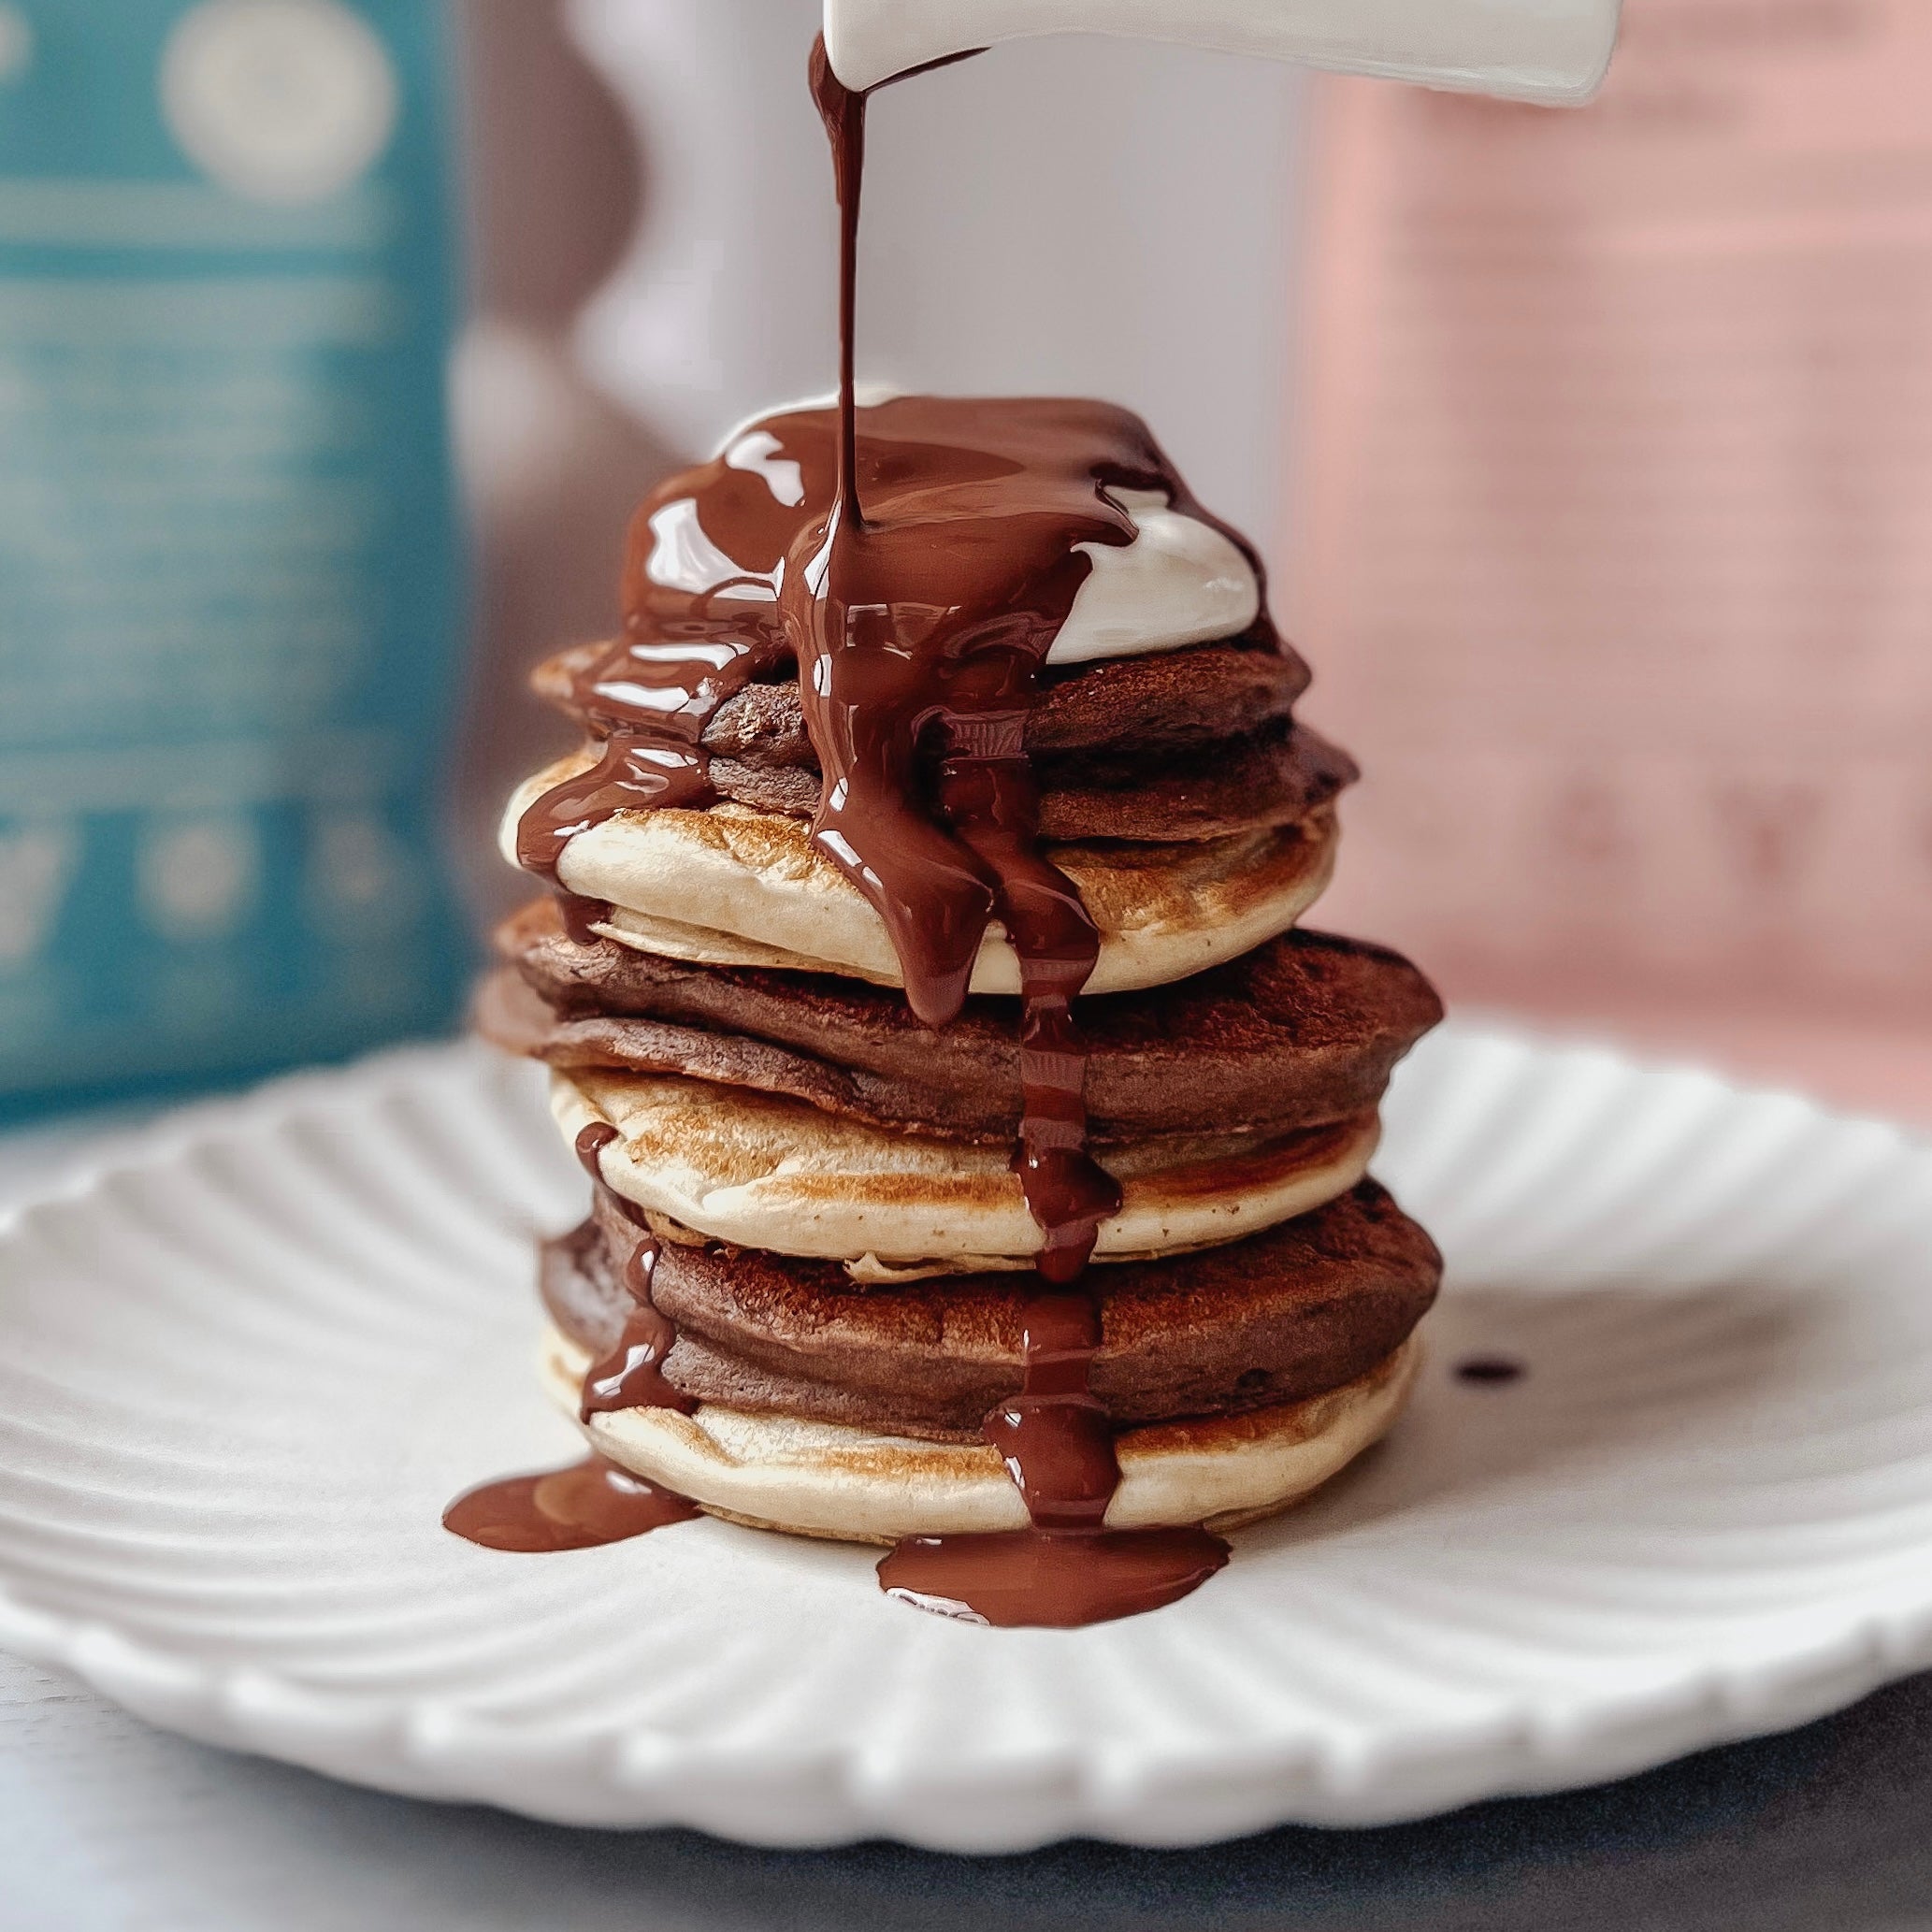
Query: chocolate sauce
1047, 1578
1489, 1369
916, 560
924, 612
594, 1501
591, 1142
1057, 1445
579, 1508
1055, 1439
631, 1376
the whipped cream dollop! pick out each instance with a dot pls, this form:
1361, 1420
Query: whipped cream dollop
1179, 581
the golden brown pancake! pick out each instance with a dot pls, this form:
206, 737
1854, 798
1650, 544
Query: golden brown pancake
855, 1485
730, 887
765, 1171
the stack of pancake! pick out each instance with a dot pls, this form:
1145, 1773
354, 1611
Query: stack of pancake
805, 1281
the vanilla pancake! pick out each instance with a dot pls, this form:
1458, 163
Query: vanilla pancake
761, 1170
730, 887
828, 1479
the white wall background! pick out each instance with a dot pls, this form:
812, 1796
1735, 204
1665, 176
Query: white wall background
1093, 216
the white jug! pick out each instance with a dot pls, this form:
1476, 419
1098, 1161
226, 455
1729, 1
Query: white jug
1552, 52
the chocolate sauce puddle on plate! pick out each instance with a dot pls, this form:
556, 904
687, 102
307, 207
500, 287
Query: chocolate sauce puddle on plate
582, 1507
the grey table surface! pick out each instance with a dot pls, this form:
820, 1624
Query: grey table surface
109, 1826
106, 1824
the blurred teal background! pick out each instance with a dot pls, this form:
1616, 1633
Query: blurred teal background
230, 584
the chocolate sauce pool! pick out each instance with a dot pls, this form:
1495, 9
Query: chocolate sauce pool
916, 560
582, 1507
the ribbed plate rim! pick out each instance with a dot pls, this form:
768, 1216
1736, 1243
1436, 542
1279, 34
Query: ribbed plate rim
645, 1777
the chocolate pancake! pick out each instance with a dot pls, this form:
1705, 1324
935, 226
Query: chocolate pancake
1172, 746
1160, 703
1305, 1307
1302, 1030
1273, 778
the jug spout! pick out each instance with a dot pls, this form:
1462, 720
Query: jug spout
1554, 53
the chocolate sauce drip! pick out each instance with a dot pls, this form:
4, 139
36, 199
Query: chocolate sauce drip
683, 653
1489, 1369
594, 1501
1057, 1445
591, 1142
927, 615
580, 915
1049, 1578
579, 1508
633, 1375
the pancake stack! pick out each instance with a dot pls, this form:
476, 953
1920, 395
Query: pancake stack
810, 1285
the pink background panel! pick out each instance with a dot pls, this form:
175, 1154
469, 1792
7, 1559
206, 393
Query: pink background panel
1612, 542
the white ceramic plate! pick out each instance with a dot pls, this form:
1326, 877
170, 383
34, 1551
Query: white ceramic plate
241, 1376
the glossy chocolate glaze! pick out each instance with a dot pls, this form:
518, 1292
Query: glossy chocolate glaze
1302, 1029
1303, 1308
929, 608
631, 1374
1056, 1440
1050, 1579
